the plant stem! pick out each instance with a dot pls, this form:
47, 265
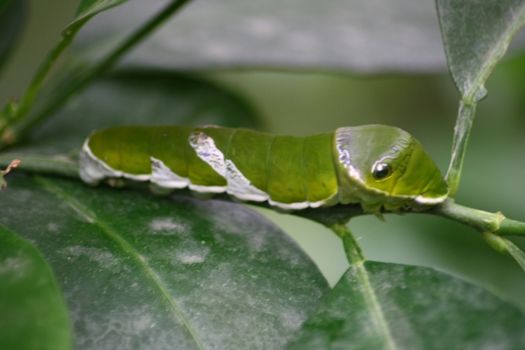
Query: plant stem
481, 220
23, 125
35, 86
511, 228
352, 250
368, 291
61, 165
464, 121
335, 217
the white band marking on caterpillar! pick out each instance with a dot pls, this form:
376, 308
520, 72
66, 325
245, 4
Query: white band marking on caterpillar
165, 177
237, 184
342, 141
93, 170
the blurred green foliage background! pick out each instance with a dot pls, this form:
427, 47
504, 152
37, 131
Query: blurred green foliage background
425, 105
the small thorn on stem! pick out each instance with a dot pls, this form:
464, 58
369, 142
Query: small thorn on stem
12, 165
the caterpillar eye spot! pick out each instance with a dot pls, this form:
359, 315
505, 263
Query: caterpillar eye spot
381, 171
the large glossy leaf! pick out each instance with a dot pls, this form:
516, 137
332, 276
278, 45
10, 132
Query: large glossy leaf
139, 271
390, 306
476, 36
364, 36
33, 314
12, 19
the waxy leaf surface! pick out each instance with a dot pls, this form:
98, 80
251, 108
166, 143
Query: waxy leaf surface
33, 314
476, 36
390, 306
142, 271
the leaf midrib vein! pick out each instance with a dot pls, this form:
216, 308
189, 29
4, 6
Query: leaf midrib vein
127, 248
497, 50
374, 307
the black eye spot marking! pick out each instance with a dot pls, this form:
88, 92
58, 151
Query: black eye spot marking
381, 171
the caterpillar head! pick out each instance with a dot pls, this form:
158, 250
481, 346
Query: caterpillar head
389, 167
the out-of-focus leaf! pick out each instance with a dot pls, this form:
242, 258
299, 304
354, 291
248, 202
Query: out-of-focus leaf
84, 75
140, 97
363, 36
476, 36
89, 8
390, 306
516, 253
12, 19
33, 314
139, 271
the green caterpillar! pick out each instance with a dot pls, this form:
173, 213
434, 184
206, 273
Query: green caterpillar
375, 165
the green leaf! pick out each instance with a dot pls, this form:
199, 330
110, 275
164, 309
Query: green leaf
476, 36
504, 245
363, 36
516, 253
139, 271
12, 20
20, 114
33, 314
389, 306
89, 8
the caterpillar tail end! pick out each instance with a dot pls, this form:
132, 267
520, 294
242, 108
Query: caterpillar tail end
91, 170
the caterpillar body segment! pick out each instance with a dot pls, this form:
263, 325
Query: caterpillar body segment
374, 165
